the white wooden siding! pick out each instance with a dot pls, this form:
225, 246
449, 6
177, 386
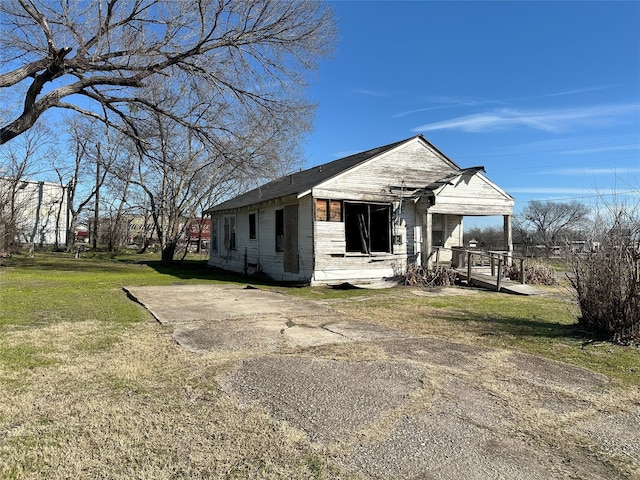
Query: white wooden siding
472, 195
406, 165
254, 255
334, 265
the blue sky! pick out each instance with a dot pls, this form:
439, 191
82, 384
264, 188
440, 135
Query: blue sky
545, 95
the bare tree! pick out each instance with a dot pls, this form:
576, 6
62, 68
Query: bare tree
81, 171
96, 57
552, 222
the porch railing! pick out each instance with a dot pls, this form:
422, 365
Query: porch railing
474, 260
497, 260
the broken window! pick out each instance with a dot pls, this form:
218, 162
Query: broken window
367, 227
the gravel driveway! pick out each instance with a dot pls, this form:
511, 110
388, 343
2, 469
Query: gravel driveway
404, 407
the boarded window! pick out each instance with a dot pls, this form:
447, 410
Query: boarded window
322, 210
335, 211
328, 210
252, 226
367, 227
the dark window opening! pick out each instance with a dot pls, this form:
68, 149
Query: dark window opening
280, 230
252, 226
367, 227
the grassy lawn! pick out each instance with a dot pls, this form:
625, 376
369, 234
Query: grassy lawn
91, 387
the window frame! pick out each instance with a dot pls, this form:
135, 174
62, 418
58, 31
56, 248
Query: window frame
230, 233
359, 224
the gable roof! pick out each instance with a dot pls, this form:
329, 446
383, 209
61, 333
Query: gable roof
299, 182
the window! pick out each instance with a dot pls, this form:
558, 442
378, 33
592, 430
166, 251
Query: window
437, 230
280, 230
328, 210
230, 232
252, 226
367, 227
214, 235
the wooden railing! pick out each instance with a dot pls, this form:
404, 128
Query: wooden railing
496, 259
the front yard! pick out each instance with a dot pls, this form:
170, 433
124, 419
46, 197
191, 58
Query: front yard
92, 387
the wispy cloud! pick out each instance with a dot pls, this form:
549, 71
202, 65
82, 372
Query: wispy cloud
447, 102
577, 91
552, 120
369, 93
608, 148
590, 171
418, 110
571, 191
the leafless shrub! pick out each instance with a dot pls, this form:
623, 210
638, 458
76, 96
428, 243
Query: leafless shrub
438, 277
534, 273
607, 278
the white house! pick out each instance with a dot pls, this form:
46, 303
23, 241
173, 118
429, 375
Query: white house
358, 219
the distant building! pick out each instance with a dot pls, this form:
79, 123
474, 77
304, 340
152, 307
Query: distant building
38, 211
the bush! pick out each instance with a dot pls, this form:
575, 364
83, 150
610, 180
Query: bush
534, 274
438, 277
607, 281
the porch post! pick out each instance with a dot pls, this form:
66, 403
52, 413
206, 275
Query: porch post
508, 238
428, 241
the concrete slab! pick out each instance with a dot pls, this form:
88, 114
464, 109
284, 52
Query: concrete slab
231, 318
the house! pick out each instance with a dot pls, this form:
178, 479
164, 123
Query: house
359, 219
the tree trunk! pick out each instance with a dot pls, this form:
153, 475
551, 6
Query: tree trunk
168, 252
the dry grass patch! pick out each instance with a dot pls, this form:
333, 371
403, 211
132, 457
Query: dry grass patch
137, 408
